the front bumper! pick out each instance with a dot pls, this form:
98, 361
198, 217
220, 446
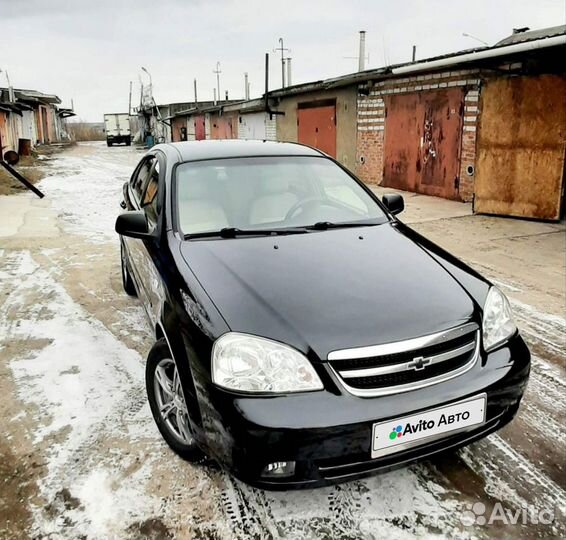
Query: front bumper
328, 433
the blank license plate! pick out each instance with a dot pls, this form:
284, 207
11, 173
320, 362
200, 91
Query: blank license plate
402, 433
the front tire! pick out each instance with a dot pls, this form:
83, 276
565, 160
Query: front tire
167, 402
127, 281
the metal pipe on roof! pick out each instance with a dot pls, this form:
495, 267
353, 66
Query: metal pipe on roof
362, 54
479, 55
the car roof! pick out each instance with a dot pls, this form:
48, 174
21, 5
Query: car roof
231, 148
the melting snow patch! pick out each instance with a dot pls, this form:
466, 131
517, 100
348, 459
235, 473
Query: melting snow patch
86, 386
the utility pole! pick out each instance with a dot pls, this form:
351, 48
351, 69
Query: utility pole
218, 72
282, 49
11, 96
214, 93
288, 62
246, 87
129, 101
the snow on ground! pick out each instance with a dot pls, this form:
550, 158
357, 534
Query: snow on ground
86, 189
79, 382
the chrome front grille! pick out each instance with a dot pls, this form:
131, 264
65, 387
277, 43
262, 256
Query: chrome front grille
407, 365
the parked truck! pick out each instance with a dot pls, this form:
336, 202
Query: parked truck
117, 128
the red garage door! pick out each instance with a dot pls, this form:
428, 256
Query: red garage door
221, 128
317, 125
200, 128
422, 142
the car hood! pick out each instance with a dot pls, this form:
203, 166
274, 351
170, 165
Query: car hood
329, 290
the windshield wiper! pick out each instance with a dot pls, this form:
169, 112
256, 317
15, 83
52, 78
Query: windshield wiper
324, 225
233, 232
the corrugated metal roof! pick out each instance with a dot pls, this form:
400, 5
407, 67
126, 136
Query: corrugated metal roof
384, 72
530, 35
35, 95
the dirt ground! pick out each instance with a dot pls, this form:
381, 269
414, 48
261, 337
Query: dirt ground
33, 168
80, 456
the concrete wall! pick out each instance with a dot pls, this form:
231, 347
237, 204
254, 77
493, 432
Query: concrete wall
345, 120
257, 126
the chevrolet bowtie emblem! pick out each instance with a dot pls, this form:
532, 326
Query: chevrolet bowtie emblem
418, 363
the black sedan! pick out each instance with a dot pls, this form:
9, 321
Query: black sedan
304, 335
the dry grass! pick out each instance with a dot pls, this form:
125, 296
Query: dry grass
83, 131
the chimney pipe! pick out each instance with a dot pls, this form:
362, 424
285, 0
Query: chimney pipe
414, 53
266, 97
195, 87
226, 95
362, 55
289, 83
246, 87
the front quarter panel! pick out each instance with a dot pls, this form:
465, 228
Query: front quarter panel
469, 279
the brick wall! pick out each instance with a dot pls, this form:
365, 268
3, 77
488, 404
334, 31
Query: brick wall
369, 150
468, 149
371, 120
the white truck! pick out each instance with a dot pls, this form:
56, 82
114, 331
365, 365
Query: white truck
117, 128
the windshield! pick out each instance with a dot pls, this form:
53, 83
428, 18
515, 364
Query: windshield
269, 193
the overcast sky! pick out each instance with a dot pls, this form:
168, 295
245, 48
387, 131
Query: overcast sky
88, 51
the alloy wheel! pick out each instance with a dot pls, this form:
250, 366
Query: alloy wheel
170, 400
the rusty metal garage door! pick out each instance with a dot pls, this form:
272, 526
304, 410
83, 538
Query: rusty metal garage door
317, 125
422, 142
521, 144
221, 128
200, 128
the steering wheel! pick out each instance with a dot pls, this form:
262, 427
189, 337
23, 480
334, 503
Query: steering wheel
311, 202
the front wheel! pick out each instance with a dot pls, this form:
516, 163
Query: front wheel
167, 402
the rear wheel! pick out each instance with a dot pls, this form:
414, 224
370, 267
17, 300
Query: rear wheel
127, 280
167, 402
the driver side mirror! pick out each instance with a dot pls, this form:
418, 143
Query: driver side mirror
132, 224
394, 203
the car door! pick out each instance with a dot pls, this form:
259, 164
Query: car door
135, 248
149, 254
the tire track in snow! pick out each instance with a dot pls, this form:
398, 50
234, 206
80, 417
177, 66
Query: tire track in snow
499, 464
399, 505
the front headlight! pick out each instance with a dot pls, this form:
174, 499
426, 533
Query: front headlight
498, 325
253, 364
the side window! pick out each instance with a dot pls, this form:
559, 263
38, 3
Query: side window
149, 202
140, 178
